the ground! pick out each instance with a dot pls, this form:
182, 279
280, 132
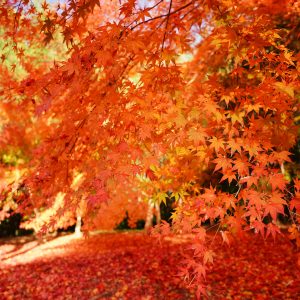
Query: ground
135, 266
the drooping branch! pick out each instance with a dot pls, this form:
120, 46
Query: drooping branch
164, 15
165, 33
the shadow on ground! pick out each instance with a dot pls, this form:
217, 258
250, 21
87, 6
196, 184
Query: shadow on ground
135, 266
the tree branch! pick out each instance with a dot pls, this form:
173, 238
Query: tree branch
168, 17
164, 15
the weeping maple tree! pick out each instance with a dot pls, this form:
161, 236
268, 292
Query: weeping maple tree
202, 93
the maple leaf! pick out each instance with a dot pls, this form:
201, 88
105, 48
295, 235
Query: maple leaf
136, 169
209, 195
200, 291
295, 202
229, 175
255, 198
200, 270
282, 156
273, 210
44, 5
275, 205
259, 227
208, 257
297, 184
237, 221
253, 148
13, 67
145, 132
223, 163
273, 230
260, 170
234, 145
227, 99
150, 174
144, 14
216, 143
164, 228
197, 135
283, 87
242, 166
277, 197
228, 200
200, 233
225, 237
277, 181
237, 116
127, 8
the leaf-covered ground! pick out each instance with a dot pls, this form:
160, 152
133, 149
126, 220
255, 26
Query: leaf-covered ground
135, 266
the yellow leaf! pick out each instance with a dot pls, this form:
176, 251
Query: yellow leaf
283, 87
194, 114
181, 151
180, 120
288, 56
237, 117
197, 134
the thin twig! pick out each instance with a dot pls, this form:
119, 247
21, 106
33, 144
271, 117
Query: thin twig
212, 226
187, 13
148, 9
292, 217
15, 21
237, 193
215, 235
151, 7
164, 15
168, 17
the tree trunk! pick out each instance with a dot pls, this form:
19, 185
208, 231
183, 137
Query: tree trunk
149, 216
36, 227
180, 203
78, 226
282, 168
158, 216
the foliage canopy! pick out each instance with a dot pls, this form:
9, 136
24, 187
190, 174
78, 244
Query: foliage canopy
199, 95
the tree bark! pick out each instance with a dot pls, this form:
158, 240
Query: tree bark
78, 226
149, 217
158, 215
